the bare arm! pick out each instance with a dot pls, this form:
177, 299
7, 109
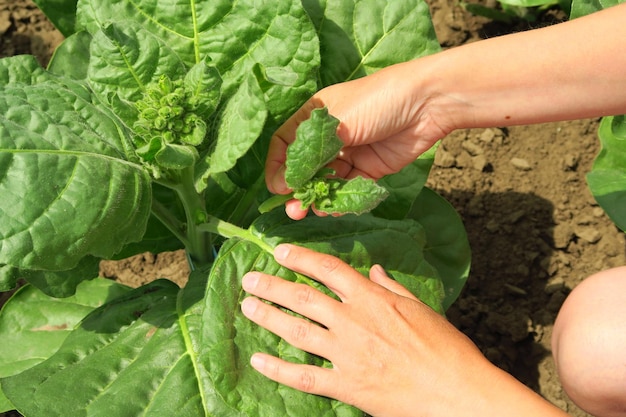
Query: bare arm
571, 70
566, 71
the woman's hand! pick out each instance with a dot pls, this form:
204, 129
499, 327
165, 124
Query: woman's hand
392, 355
382, 125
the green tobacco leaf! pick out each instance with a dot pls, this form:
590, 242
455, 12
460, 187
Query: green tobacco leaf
356, 196
584, 7
125, 58
226, 349
62, 14
607, 179
361, 37
447, 247
141, 336
235, 35
71, 58
204, 82
239, 126
34, 325
192, 354
63, 283
62, 159
405, 186
315, 146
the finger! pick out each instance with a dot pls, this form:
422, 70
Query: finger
275, 166
296, 331
307, 378
380, 277
300, 298
293, 210
337, 275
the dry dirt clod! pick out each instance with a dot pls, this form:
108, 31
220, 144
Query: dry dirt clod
521, 164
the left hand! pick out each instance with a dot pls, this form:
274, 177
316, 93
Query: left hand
392, 355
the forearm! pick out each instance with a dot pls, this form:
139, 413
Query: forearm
566, 71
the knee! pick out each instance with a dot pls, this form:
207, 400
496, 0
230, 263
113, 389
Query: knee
589, 344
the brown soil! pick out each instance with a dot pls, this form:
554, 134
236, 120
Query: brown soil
534, 228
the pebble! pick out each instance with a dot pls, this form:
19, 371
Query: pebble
444, 159
472, 148
521, 164
588, 234
562, 235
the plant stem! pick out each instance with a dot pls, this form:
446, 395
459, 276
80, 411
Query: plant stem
198, 241
229, 230
273, 202
170, 221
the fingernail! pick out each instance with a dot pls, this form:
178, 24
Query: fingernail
257, 362
250, 281
248, 306
281, 252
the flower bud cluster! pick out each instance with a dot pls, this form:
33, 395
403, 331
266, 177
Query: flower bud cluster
318, 191
168, 111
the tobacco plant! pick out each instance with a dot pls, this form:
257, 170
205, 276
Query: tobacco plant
148, 132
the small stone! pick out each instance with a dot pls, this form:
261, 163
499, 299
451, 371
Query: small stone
588, 234
562, 235
555, 284
570, 162
480, 163
521, 164
472, 148
444, 159
464, 160
487, 136
598, 212
492, 226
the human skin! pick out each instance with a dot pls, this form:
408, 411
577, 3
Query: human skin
589, 343
566, 71
391, 355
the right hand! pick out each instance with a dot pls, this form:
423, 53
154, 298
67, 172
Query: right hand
383, 126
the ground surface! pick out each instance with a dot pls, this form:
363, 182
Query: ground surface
534, 228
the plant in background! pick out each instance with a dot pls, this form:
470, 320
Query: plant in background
148, 132
510, 11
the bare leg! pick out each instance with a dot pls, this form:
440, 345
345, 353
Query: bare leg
589, 344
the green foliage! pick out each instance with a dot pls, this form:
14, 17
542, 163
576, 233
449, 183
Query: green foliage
585, 7
510, 11
149, 131
607, 179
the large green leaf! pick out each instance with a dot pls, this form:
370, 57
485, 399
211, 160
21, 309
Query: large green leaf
405, 186
447, 247
34, 325
607, 179
236, 36
68, 187
584, 7
62, 14
191, 354
241, 123
136, 337
359, 37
